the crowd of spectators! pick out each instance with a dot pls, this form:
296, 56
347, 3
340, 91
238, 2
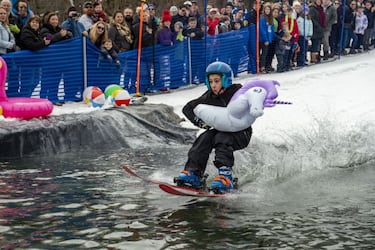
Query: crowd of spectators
287, 30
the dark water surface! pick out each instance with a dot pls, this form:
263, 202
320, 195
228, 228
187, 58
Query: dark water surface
85, 201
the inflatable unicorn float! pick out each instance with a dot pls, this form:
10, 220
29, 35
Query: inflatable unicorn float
20, 107
246, 105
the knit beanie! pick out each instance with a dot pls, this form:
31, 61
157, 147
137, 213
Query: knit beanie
166, 16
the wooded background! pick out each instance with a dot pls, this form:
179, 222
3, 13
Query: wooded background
110, 6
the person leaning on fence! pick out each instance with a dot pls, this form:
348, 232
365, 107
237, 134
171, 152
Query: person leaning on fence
98, 33
31, 36
165, 35
71, 23
7, 40
192, 30
178, 27
107, 49
120, 33
52, 30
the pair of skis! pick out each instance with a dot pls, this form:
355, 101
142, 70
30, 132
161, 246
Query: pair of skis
173, 189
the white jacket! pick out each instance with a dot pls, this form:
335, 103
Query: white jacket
7, 40
308, 27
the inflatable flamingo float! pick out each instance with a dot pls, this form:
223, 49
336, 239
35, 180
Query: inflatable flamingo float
20, 107
246, 105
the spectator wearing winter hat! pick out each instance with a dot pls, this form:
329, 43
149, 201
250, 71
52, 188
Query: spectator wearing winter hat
213, 19
165, 36
188, 5
86, 18
173, 10
22, 11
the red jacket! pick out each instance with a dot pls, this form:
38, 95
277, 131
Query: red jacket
212, 26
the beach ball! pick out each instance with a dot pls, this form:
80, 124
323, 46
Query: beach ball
94, 96
121, 97
110, 89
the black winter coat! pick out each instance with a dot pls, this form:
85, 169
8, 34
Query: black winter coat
31, 39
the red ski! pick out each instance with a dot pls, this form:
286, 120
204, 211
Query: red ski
173, 189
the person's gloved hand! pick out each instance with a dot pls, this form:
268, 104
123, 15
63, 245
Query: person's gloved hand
200, 123
14, 28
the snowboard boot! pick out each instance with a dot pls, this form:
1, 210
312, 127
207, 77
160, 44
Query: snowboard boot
189, 179
224, 182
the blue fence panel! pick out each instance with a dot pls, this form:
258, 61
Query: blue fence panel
54, 72
57, 72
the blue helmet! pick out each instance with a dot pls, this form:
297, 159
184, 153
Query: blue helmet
220, 68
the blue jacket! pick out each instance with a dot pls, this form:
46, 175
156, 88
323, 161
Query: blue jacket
266, 31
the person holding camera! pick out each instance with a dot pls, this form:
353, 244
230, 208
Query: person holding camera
71, 23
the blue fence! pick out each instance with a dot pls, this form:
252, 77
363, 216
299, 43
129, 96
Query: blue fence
61, 71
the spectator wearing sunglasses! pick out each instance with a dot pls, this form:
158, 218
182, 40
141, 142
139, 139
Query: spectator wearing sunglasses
87, 18
22, 11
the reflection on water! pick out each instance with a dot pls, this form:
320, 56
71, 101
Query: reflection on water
87, 201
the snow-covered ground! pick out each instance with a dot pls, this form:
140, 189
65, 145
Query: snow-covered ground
341, 91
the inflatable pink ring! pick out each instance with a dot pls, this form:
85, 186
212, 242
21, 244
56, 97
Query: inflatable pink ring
20, 107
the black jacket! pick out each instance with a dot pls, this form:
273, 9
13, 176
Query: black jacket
31, 39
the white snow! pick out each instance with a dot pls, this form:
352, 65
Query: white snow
342, 91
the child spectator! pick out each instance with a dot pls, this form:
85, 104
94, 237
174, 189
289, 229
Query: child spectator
361, 23
305, 30
165, 36
109, 51
225, 24
192, 30
99, 14
283, 48
178, 28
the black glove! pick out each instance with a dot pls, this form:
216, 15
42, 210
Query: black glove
200, 123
